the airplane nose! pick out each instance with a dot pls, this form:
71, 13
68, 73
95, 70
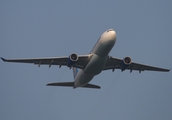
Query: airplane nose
112, 36
109, 36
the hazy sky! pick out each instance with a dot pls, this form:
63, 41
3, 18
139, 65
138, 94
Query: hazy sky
38, 28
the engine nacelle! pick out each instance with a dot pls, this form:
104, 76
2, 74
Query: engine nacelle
125, 63
72, 59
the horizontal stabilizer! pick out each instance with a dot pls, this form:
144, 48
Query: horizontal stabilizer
67, 84
91, 86
71, 84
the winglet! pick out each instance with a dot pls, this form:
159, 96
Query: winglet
3, 59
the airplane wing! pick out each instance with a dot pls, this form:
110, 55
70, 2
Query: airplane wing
61, 61
115, 63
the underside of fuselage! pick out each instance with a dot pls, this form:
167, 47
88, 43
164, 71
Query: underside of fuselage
93, 68
98, 59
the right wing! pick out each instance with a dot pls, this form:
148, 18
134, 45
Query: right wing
61, 61
115, 63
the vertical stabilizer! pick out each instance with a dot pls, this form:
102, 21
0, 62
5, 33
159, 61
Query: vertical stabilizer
75, 71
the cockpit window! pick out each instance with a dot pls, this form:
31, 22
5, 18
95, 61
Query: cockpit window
109, 30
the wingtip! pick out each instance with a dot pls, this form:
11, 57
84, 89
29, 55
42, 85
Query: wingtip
3, 59
48, 84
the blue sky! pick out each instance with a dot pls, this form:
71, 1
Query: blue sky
31, 29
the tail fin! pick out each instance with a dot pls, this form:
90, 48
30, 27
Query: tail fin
75, 71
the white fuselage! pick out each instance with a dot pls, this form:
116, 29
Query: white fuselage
99, 55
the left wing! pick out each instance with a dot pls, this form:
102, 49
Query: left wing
61, 61
115, 63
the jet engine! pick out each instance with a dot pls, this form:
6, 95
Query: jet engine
72, 59
125, 63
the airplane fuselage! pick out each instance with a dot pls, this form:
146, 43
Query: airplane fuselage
98, 58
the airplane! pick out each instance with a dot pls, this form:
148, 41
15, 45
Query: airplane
85, 67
